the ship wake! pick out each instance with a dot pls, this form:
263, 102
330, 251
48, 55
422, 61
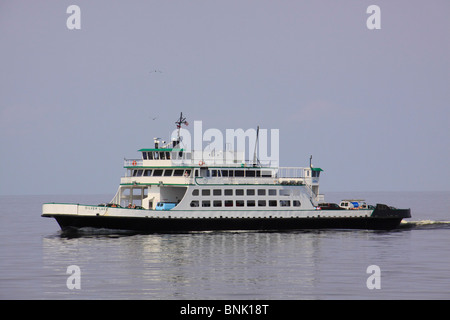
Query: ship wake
425, 224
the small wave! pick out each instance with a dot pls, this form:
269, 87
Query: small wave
424, 224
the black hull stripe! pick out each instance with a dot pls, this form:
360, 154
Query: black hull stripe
207, 224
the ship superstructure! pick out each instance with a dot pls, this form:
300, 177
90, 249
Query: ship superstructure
170, 188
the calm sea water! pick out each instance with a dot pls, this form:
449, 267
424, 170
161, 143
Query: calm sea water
327, 264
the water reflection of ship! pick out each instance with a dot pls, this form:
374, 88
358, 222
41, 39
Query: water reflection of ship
236, 264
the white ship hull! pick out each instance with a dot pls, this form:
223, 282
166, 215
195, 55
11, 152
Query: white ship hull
80, 216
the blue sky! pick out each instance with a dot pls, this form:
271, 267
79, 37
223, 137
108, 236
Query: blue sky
371, 106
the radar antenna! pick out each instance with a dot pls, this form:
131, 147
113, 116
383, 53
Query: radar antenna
179, 123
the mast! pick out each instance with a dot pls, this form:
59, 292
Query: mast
255, 158
179, 123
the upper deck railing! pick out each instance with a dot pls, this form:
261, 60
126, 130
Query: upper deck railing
291, 172
133, 162
127, 163
214, 167
136, 170
182, 157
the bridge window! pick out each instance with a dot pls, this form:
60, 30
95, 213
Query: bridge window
137, 173
250, 173
239, 173
178, 173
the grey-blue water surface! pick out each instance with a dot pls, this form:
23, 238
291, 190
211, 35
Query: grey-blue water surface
413, 260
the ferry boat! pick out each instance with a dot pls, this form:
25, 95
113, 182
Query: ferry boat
170, 189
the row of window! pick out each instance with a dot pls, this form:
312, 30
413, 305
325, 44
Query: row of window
247, 203
238, 173
166, 155
203, 173
161, 172
242, 192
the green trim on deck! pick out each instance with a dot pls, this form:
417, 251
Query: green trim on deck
161, 167
212, 184
161, 149
203, 166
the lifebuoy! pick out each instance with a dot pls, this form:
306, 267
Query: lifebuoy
134, 163
201, 162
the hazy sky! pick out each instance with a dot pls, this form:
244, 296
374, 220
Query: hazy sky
371, 106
